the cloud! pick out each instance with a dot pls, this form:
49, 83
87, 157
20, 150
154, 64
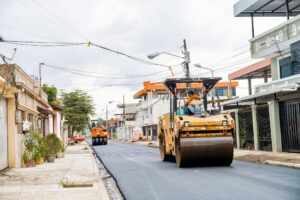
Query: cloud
132, 26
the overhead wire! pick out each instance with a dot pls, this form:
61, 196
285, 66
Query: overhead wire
109, 75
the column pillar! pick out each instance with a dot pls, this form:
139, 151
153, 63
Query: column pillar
14, 160
275, 125
255, 127
249, 86
237, 129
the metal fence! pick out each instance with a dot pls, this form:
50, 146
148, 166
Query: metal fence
264, 130
246, 129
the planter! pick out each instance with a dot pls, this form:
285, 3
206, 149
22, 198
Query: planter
30, 163
40, 161
51, 158
60, 155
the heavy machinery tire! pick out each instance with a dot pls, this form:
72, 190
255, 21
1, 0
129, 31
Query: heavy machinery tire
178, 158
93, 143
162, 149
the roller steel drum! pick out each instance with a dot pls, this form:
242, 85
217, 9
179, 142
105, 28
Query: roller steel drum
204, 151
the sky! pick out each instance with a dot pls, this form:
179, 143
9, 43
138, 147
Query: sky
215, 38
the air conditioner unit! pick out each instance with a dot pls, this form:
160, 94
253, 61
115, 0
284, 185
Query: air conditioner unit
26, 126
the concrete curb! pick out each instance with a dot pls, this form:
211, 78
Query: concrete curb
282, 164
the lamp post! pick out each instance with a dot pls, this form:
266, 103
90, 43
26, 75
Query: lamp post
200, 66
185, 57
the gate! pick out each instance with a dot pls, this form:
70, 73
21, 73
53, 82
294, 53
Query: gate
3, 135
234, 132
246, 129
290, 125
264, 130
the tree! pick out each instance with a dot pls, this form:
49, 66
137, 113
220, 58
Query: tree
77, 108
101, 122
51, 91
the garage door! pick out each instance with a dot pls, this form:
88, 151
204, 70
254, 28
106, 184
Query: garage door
3, 135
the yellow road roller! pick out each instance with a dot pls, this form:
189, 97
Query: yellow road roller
201, 135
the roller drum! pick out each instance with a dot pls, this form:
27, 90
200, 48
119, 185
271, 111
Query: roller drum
204, 151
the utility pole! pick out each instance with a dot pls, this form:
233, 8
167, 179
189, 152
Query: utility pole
40, 74
106, 116
186, 59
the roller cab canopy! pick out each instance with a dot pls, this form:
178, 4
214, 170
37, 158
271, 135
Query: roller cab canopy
208, 83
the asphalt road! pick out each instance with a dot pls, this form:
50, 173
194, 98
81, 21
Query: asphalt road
141, 175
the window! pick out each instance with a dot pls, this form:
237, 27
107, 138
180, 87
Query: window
233, 91
291, 65
285, 67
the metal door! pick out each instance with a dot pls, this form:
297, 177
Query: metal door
3, 134
290, 125
246, 129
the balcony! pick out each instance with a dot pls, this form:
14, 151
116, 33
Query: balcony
276, 41
286, 84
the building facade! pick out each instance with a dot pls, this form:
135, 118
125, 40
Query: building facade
28, 107
269, 118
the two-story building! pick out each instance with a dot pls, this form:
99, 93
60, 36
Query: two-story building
155, 102
29, 107
269, 118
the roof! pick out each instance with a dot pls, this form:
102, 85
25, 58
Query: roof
208, 83
255, 70
148, 86
265, 8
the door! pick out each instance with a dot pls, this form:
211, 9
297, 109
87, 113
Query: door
290, 125
3, 135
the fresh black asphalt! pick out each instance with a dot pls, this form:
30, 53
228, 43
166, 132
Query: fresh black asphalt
141, 175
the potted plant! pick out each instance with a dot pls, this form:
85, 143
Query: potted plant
30, 147
52, 146
40, 152
28, 162
60, 153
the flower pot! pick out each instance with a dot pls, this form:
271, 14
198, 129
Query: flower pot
30, 163
40, 161
60, 155
51, 158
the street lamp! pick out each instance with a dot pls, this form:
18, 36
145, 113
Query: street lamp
185, 57
200, 66
153, 55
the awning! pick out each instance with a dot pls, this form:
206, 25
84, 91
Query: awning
256, 70
267, 8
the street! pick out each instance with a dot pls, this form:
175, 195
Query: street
141, 175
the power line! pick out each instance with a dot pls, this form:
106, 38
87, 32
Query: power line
109, 75
28, 33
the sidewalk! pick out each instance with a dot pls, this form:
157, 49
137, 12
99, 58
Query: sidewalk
78, 170
279, 159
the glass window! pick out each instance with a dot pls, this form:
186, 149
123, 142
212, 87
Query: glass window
285, 67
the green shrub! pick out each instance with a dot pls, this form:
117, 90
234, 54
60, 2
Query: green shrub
52, 144
30, 143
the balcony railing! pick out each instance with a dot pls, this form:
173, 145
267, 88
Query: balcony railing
286, 83
277, 40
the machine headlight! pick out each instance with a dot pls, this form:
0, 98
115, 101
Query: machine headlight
186, 123
224, 123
